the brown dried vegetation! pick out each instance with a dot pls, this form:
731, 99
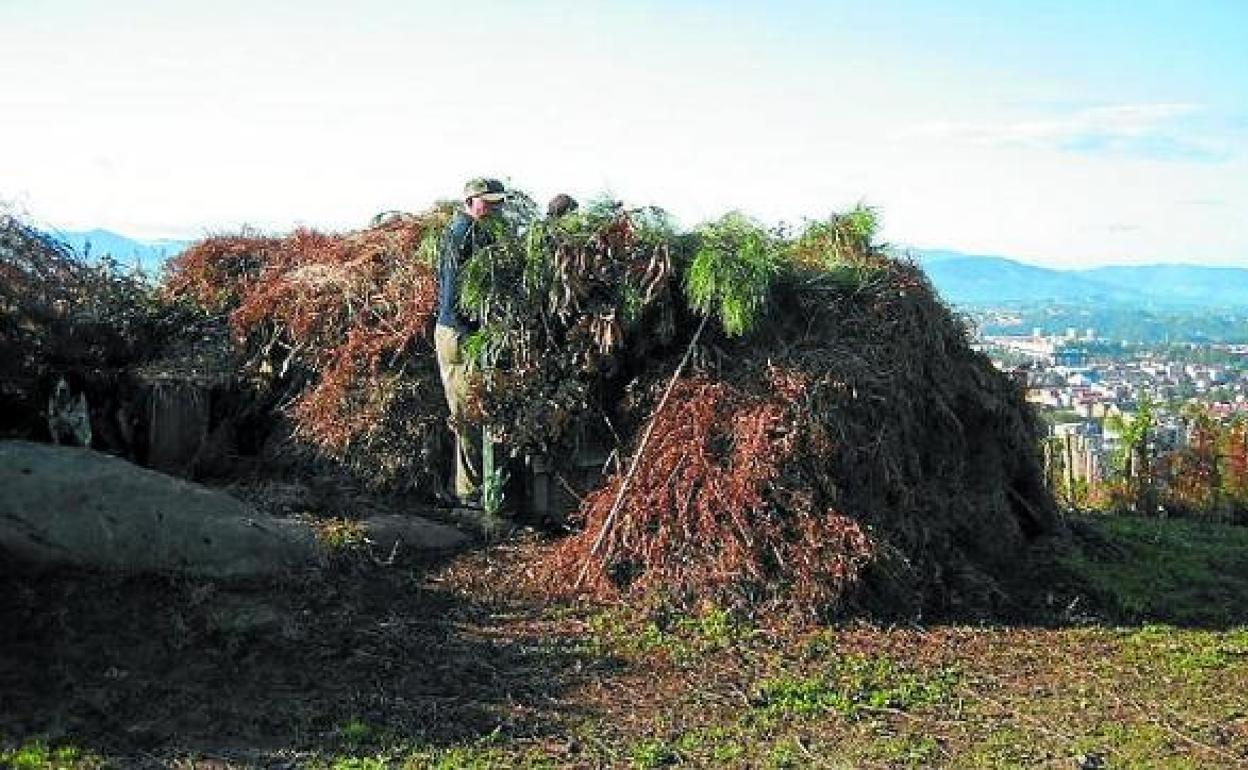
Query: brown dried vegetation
853, 451
341, 320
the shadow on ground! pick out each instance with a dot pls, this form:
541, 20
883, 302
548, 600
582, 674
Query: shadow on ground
1133, 570
365, 658
360, 655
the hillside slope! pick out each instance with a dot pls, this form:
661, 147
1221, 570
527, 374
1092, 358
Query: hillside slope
976, 281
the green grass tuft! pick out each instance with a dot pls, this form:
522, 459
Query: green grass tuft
1188, 573
854, 685
36, 754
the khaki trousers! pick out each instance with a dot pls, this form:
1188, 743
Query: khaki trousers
454, 371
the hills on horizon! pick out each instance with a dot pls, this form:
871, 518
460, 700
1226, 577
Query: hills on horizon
964, 280
977, 281
148, 255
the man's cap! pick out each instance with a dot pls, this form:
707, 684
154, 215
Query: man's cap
488, 189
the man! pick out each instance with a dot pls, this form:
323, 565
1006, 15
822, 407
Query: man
560, 205
462, 237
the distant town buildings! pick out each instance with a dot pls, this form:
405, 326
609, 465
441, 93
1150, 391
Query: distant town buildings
1087, 387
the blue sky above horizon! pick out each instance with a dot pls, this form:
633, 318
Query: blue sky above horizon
1073, 134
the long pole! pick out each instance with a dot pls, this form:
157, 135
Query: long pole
609, 522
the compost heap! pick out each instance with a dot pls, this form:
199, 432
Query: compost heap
801, 424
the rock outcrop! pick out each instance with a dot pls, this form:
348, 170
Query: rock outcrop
69, 506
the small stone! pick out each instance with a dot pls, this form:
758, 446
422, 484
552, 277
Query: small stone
1090, 762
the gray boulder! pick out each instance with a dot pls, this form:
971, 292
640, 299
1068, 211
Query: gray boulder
72, 506
395, 533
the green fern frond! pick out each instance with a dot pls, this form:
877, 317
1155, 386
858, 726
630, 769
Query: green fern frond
861, 223
537, 267
481, 346
841, 244
430, 243
732, 271
475, 283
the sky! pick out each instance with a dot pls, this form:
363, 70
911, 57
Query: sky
1065, 134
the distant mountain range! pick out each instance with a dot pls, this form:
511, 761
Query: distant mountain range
969, 280
128, 252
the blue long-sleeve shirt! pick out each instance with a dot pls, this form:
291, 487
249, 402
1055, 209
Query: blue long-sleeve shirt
461, 237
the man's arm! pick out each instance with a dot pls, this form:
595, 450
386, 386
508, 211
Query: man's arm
456, 250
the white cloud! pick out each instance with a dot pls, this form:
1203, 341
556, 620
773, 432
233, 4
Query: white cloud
1160, 131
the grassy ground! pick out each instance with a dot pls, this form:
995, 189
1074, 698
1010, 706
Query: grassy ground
1143, 663
1184, 572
